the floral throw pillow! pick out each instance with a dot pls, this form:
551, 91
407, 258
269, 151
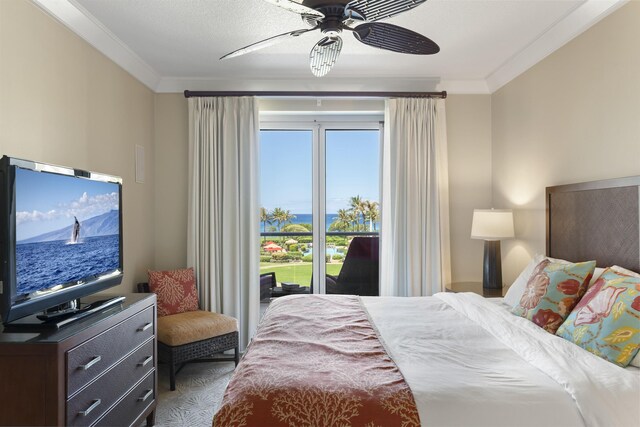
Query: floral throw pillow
175, 290
553, 289
606, 321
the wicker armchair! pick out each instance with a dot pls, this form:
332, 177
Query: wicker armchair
187, 337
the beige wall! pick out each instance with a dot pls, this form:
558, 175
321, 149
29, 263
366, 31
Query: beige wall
469, 141
63, 102
171, 198
573, 117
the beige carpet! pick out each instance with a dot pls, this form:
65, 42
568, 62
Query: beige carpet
198, 393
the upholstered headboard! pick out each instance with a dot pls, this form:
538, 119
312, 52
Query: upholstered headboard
595, 220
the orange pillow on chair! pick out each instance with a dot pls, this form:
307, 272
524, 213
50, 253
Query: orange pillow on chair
175, 290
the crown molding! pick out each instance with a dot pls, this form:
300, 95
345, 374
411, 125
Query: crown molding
81, 22
572, 25
464, 87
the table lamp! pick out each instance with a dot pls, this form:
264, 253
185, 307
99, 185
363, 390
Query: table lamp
491, 225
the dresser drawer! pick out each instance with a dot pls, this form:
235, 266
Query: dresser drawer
132, 405
93, 401
91, 358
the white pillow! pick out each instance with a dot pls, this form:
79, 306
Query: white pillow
596, 274
515, 291
622, 270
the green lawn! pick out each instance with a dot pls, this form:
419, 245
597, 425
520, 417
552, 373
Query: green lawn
299, 273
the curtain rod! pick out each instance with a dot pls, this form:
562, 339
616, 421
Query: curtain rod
195, 94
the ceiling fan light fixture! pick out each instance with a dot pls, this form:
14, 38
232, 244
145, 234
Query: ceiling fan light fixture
324, 55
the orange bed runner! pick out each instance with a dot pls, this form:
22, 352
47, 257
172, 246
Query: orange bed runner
316, 360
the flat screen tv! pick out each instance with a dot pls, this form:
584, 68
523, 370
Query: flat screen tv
61, 235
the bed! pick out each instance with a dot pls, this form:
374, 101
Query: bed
447, 360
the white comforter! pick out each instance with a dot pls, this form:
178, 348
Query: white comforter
470, 362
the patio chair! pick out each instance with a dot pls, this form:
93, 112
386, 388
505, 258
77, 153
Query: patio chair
359, 274
267, 282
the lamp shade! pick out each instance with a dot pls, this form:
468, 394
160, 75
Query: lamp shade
492, 224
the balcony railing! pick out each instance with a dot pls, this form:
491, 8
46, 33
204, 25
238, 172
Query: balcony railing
294, 267
328, 233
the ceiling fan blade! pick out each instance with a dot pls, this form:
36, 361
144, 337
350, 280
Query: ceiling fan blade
296, 7
267, 42
374, 10
324, 54
394, 38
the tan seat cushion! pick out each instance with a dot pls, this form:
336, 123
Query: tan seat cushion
192, 326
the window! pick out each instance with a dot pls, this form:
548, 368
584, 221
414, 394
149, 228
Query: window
320, 194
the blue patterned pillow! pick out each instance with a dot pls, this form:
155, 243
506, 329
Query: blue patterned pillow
552, 291
606, 321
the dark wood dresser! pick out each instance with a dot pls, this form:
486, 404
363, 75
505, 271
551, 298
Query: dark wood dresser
98, 371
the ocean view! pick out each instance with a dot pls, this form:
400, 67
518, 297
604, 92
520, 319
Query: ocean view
303, 218
307, 218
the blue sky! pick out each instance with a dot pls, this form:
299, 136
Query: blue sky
47, 202
352, 163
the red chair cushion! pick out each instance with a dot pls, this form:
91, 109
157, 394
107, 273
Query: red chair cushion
175, 290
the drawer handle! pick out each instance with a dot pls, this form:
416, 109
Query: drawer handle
91, 363
93, 406
145, 361
146, 396
145, 327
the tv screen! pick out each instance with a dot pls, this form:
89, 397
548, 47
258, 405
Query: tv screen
61, 235
67, 229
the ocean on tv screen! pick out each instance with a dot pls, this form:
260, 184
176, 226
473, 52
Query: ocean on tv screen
42, 265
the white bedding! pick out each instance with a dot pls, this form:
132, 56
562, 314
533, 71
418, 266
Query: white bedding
469, 361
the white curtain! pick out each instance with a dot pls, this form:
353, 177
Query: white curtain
414, 241
223, 222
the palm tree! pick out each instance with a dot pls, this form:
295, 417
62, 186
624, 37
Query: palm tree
282, 217
372, 212
277, 217
265, 218
353, 219
343, 221
357, 205
287, 216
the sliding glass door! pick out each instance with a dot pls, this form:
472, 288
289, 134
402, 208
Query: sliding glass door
286, 213
320, 187
352, 200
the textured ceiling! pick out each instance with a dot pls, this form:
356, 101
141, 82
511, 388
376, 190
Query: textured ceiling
183, 39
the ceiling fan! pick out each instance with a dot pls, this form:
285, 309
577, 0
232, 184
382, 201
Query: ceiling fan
356, 16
